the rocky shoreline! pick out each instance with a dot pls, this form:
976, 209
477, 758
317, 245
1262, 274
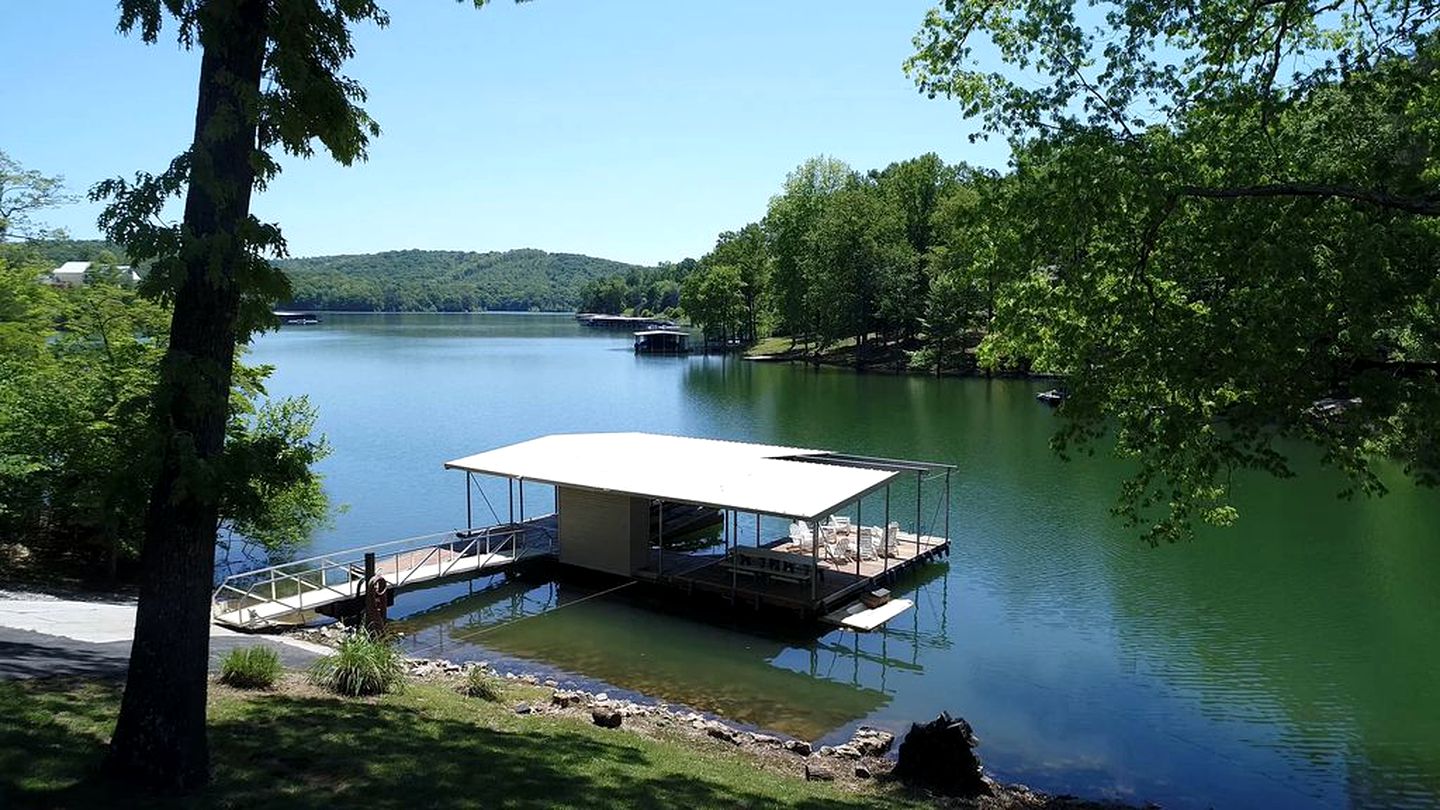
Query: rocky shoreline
867, 756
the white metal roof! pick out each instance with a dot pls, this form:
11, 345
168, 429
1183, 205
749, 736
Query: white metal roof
729, 475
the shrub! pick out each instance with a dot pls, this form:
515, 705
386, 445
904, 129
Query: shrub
479, 683
250, 668
363, 664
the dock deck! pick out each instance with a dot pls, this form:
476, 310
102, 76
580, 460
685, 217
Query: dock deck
838, 581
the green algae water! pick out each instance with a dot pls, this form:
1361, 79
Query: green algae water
1290, 661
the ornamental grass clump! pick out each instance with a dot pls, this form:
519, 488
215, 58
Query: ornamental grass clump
480, 683
250, 668
363, 664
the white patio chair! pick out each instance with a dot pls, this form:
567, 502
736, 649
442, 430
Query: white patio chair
892, 539
844, 547
800, 534
869, 539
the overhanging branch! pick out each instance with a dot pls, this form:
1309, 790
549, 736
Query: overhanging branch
1426, 206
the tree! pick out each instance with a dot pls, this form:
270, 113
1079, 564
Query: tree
22, 192
78, 368
914, 188
713, 300
269, 80
1220, 259
745, 251
789, 222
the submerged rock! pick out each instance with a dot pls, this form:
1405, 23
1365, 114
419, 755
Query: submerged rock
940, 755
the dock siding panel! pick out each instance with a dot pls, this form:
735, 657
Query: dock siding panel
602, 531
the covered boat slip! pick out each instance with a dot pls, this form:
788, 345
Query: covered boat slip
802, 529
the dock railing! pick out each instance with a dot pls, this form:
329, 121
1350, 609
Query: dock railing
300, 586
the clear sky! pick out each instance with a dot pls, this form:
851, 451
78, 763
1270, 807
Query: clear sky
629, 129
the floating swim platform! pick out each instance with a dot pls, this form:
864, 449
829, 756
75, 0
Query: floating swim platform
855, 616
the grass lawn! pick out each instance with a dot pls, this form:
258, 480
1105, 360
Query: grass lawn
426, 747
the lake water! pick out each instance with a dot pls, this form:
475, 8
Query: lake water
1291, 661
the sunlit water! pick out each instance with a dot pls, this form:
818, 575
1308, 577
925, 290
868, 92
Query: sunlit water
1289, 661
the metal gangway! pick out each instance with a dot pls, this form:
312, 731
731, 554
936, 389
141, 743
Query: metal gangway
294, 593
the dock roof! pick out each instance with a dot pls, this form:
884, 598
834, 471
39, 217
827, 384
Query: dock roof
792, 482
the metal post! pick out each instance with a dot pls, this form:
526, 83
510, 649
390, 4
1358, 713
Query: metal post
730, 546
469, 522
370, 590
510, 487
660, 535
522, 500
814, 558
859, 529
757, 530
885, 532
947, 506
919, 491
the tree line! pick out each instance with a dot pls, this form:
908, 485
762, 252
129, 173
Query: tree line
448, 281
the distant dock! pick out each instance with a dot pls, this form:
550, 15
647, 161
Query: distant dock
629, 322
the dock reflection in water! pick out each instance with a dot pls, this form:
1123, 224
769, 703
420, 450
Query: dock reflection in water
810, 684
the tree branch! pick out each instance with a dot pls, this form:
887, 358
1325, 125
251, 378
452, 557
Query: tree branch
1427, 206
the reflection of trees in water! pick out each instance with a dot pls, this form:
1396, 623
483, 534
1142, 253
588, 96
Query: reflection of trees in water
1323, 628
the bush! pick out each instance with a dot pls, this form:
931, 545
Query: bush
479, 683
250, 668
363, 664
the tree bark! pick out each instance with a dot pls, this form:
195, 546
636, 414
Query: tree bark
160, 740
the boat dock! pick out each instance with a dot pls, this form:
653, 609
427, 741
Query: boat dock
610, 489
298, 592
756, 526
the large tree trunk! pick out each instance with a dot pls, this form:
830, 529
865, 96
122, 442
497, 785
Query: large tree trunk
160, 739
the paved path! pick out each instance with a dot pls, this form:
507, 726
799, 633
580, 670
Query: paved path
44, 636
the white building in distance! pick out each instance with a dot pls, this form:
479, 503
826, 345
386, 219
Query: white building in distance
72, 274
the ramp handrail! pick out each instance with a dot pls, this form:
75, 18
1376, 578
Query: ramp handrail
441, 553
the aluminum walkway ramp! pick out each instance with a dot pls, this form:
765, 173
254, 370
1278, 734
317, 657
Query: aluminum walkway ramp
294, 593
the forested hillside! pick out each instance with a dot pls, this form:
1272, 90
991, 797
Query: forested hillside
446, 281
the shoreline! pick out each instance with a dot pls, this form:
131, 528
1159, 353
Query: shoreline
869, 753
867, 757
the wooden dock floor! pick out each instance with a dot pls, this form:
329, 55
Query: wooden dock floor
837, 581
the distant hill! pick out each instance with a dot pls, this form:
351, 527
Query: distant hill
59, 251
446, 281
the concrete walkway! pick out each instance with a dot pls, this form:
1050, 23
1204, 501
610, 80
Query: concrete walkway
48, 636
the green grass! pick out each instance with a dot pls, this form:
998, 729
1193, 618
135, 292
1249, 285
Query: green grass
362, 664
250, 668
428, 746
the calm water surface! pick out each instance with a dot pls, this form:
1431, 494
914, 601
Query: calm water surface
1290, 661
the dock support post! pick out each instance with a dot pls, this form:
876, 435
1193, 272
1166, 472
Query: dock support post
731, 556
660, 535
919, 492
510, 488
814, 561
522, 500
885, 532
469, 521
859, 530
375, 597
947, 506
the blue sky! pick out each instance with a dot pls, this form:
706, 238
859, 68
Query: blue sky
631, 129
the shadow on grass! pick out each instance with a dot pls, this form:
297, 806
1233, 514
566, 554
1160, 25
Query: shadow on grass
282, 751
